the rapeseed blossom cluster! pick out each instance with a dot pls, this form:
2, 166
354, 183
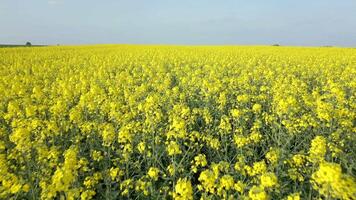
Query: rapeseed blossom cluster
331, 182
170, 122
183, 190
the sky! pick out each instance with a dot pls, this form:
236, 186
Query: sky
183, 22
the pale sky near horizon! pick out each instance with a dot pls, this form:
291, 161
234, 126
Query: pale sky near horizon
200, 22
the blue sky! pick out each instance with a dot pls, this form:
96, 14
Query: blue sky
287, 22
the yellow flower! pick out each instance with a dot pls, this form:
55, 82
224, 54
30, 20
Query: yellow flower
88, 194
255, 136
207, 180
294, 174
244, 98
235, 113
257, 193
2, 145
272, 155
171, 170
65, 176
226, 183
143, 186
183, 190
108, 134
114, 172
173, 148
125, 135
257, 108
97, 155
298, 160
26, 188
15, 188
153, 173
329, 181
199, 160
268, 180
125, 186
214, 143
225, 125
318, 149
258, 168
239, 186
241, 141
21, 137
294, 196
141, 147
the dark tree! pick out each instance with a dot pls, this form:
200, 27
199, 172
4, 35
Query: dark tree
28, 44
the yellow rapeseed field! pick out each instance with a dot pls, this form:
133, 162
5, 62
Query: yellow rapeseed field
177, 122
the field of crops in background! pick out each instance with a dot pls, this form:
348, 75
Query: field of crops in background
177, 122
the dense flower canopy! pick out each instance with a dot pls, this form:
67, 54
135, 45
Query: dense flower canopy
177, 122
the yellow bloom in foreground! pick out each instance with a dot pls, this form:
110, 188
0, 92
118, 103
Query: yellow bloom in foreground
143, 186
255, 137
207, 179
114, 172
257, 193
63, 177
15, 188
2, 145
88, 194
26, 187
183, 190
318, 149
235, 113
141, 147
241, 141
268, 180
199, 160
153, 173
329, 181
108, 134
173, 148
272, 155
258, 168
214, 143
171, 169
257, 108
239, 186
298, 160
226, 183
97, 155
294, 196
